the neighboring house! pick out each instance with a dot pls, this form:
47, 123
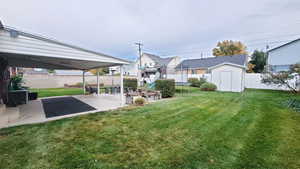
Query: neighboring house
201, 66
154, 67
128, 70
282, 57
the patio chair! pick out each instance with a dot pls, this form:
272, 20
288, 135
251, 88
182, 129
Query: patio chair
93, 90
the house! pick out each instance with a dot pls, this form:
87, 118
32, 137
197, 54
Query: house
154, 67
201, 66
282, 57
150, 63
128, 70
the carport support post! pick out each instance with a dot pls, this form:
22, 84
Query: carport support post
83, 81
98, 84
121, 85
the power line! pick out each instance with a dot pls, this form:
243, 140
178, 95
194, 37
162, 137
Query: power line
262, 41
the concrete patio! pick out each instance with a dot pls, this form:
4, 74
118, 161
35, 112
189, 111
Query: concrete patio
33, 112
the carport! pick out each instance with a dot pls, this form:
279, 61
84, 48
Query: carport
22, 49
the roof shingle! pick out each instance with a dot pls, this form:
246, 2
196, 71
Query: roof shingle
206, 63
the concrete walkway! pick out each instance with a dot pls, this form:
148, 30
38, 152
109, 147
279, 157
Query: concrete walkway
33, 112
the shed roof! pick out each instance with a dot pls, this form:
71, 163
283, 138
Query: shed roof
226, 63
22, 49
206, 63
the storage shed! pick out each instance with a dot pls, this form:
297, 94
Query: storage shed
228, 77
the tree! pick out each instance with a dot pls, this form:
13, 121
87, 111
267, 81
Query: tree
250, 68
229, 47
259, 59
284, 78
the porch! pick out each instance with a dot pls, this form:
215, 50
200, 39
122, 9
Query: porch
34, 111
26, 50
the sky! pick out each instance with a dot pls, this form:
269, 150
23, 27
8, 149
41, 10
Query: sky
185, 28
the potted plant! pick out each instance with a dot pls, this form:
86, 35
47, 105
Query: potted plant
16, 82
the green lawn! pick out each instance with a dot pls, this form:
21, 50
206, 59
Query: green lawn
57, 92
204, 130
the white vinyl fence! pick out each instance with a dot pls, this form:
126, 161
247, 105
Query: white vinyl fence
184, 77
252, 80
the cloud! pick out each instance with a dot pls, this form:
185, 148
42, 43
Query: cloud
166, 27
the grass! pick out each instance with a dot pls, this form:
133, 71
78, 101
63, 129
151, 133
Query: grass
57, 92
202, 130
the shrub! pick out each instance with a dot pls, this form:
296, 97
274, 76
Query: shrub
166, 87
130, 83
195, 82
80, 84
139, 101
208, 87
202, 81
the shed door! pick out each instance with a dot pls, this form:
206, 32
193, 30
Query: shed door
225, 81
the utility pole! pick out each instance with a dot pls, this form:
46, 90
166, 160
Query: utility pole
140, 60
267, 67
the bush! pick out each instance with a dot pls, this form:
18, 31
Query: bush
139, 101
202, 81
166, 87
208, 87
194, 82
80, 84
130, 83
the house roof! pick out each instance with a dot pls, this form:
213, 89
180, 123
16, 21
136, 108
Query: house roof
206, 63
284, 45
158, 60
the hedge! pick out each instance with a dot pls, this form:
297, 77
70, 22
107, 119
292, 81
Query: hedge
166, 87
208, 87
130, 83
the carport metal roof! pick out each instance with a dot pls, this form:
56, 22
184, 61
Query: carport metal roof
22, 49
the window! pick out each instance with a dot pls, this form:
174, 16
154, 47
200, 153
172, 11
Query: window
193, 71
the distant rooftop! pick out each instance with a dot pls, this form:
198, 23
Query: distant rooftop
206, 63
158, 60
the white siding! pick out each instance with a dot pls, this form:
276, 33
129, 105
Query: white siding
236, 81
146, 60
286, 55
173, 63
31, 46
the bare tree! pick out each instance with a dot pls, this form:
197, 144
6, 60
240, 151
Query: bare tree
284, 78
